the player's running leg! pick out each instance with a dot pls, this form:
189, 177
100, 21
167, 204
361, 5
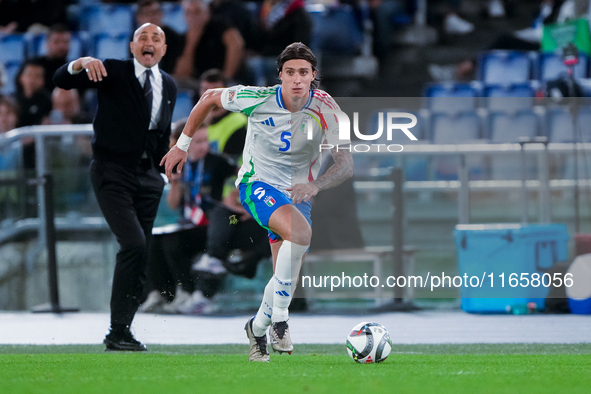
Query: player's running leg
294, 229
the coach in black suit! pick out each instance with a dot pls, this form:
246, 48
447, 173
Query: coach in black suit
131, 134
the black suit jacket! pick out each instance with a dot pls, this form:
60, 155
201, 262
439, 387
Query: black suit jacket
121, 124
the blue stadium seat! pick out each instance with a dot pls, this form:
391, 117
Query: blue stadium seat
508, 127
174, 16
459, 128
560, 125
510, 97
452, 96
12, 48
560, 128
78, 45
336, 31
11, 71
551, 66
112, 19
184, 105
505, 67
108, 46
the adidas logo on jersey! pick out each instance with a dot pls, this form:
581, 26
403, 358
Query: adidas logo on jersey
268, 122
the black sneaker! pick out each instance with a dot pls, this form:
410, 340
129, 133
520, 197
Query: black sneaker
123, 341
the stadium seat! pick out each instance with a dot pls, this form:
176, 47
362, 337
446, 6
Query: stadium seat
111, 19
506, 67
459, 128
174, 17
513, 97
551, 66
508, 127
452, 97
78, 45
108, 46
560, 125
12, 48
11, 71
184, 105
416, 167
560, 128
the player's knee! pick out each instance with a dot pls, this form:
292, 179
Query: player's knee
302, 236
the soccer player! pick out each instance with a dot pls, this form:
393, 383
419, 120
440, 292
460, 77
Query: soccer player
281, 160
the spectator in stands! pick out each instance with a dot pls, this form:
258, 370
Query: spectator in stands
238, 15
209, 43
9, 114
34, 102
66, 108
227, 130
161, 286
150, 11
58, 46
230, 226
279, 23
9, 161
33, 99
195, 191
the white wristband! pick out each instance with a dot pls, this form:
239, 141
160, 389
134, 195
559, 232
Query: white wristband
183, 142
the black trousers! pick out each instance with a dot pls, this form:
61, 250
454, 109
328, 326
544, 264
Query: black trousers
170, 258
128, 199
223, 235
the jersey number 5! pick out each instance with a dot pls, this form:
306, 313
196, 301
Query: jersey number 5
284, 137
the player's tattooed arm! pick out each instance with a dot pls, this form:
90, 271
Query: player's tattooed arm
340, 171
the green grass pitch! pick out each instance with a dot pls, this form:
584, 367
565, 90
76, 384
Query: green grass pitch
311, 369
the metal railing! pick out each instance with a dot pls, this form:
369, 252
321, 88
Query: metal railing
464, 185
40, 134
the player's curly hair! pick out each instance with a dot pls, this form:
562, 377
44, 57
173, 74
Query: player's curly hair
297, 50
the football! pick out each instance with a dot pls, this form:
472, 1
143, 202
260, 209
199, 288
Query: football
369, 343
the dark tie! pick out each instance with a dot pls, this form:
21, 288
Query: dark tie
148, 91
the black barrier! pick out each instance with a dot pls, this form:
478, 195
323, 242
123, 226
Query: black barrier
398, 303
50, 241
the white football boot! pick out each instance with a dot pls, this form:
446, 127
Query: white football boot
258, 345
280, 338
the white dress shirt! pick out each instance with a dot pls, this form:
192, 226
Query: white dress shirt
156, 80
